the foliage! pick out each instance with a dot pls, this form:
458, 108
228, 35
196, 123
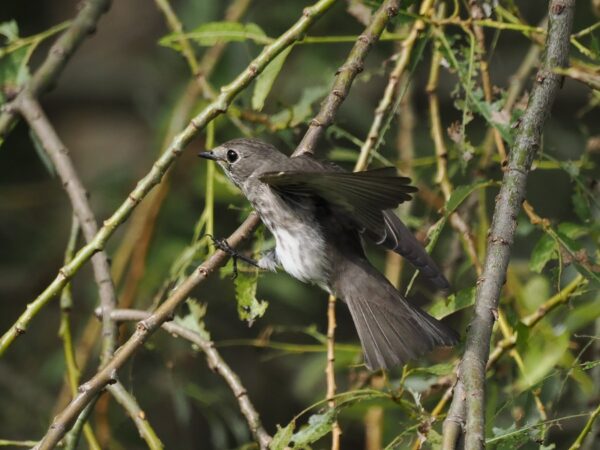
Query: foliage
544, 376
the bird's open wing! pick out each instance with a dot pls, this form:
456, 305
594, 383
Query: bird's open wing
360, 196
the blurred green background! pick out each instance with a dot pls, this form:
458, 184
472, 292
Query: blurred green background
112, 106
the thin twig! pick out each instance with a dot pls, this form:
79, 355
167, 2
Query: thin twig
215, 362
66, 304
586, 429
512, 192
130, 404
330, 370
441, 157
61, 51
476, 13
162, 164
345, 76
391, 91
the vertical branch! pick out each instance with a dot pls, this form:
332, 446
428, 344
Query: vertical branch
391, 92
508, 204
345, 76
441, 155
66, 304
476, 13
330, 370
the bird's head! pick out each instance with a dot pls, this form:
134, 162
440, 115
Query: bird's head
242, 158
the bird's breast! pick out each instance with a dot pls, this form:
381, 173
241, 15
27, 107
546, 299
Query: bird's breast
300, 245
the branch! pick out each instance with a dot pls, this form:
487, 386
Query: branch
130, 404
144, 330
160, 167
346, 75
586, 429
137, 237
61, 51
59, 155
330, 370
508, 204
391, 90
215, 362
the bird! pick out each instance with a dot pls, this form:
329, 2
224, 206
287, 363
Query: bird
319, 215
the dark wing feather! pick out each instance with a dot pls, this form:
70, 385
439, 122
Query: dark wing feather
366, 200
399, 239
360, 196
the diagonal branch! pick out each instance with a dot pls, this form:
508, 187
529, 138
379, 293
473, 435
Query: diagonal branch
508, 204
61, 51
346, 75
144, 330
162, 164
59, 155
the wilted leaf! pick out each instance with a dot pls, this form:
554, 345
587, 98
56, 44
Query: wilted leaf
455, 302
318, 426
282, 438
249, 308
544, 251
208, 34
265, 80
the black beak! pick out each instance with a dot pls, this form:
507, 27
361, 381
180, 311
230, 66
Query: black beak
208, 155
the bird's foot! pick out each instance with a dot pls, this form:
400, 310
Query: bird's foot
224, 246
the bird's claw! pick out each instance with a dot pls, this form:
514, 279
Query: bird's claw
223, 245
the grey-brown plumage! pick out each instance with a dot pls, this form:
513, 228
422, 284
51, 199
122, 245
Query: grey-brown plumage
317, 213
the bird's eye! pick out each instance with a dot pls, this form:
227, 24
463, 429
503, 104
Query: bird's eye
232, 156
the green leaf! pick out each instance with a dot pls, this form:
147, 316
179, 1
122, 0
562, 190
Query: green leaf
10, 30
581, 204
543, 352
544, 251
455, 302
534, 293
265, 80
318, 426
194, 320
511, 438
209, 34
436, 369
249, 308
461, 193
282, 438
297, 114
13, 64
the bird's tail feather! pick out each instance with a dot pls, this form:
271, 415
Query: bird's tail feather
391, 330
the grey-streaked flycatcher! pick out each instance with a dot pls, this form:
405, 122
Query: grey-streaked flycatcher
317, 213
